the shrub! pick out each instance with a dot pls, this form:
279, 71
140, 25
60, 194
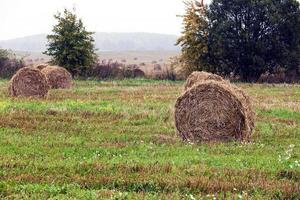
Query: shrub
107, 70
157, 67
9, 64
170, 71
131, 71
279, 76
165, 74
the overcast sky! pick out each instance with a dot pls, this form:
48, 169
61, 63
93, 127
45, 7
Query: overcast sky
20, 18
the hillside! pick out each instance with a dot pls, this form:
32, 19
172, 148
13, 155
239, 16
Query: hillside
104, 42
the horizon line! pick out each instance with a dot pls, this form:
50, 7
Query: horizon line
108, 32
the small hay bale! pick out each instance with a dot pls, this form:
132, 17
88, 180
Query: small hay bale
196, 77
57, 77
40, 66
214, 111
28, 82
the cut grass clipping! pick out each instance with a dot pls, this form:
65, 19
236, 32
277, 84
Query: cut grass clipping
195, 77
28, 82
57, 77
214, 111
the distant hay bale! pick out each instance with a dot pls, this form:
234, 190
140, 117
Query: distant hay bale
214, 111
28, 82
40, 66
195, 77
57, 77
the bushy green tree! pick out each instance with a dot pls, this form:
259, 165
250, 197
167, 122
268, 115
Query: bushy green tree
194, 38
249, 37
70, 45
241, 37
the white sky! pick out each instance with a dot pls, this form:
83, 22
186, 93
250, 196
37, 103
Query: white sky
20, 18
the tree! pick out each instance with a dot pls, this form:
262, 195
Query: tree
194, 38
70, 45
9, 63
249, 37
4, 54
4, 58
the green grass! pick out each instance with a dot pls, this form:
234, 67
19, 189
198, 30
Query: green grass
116, 140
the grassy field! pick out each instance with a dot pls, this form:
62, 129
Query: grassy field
116, 140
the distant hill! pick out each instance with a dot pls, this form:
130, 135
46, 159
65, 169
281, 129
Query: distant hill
104, 42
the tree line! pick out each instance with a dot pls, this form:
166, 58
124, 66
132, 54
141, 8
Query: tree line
242, 38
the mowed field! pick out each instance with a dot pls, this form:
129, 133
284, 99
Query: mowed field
117, 140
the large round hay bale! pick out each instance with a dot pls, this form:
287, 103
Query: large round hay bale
28, 82
57, 77
214, 111
196, 77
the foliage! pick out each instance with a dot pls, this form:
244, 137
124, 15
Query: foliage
250, 37
194, 39
4, 54
168, 73
9, 64
172, 69
113, 69
105, 70
243, 38
70, 45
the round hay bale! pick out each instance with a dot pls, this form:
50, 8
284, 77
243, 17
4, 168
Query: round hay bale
196, 77
28, 82
57, 77
214, 111
40, 66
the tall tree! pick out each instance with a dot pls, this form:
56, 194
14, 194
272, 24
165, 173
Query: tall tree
70, 45
248, 37
194, 38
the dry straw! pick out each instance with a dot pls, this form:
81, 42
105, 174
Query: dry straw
40, 66
214, 111
57, 77
195, 77
28, 82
